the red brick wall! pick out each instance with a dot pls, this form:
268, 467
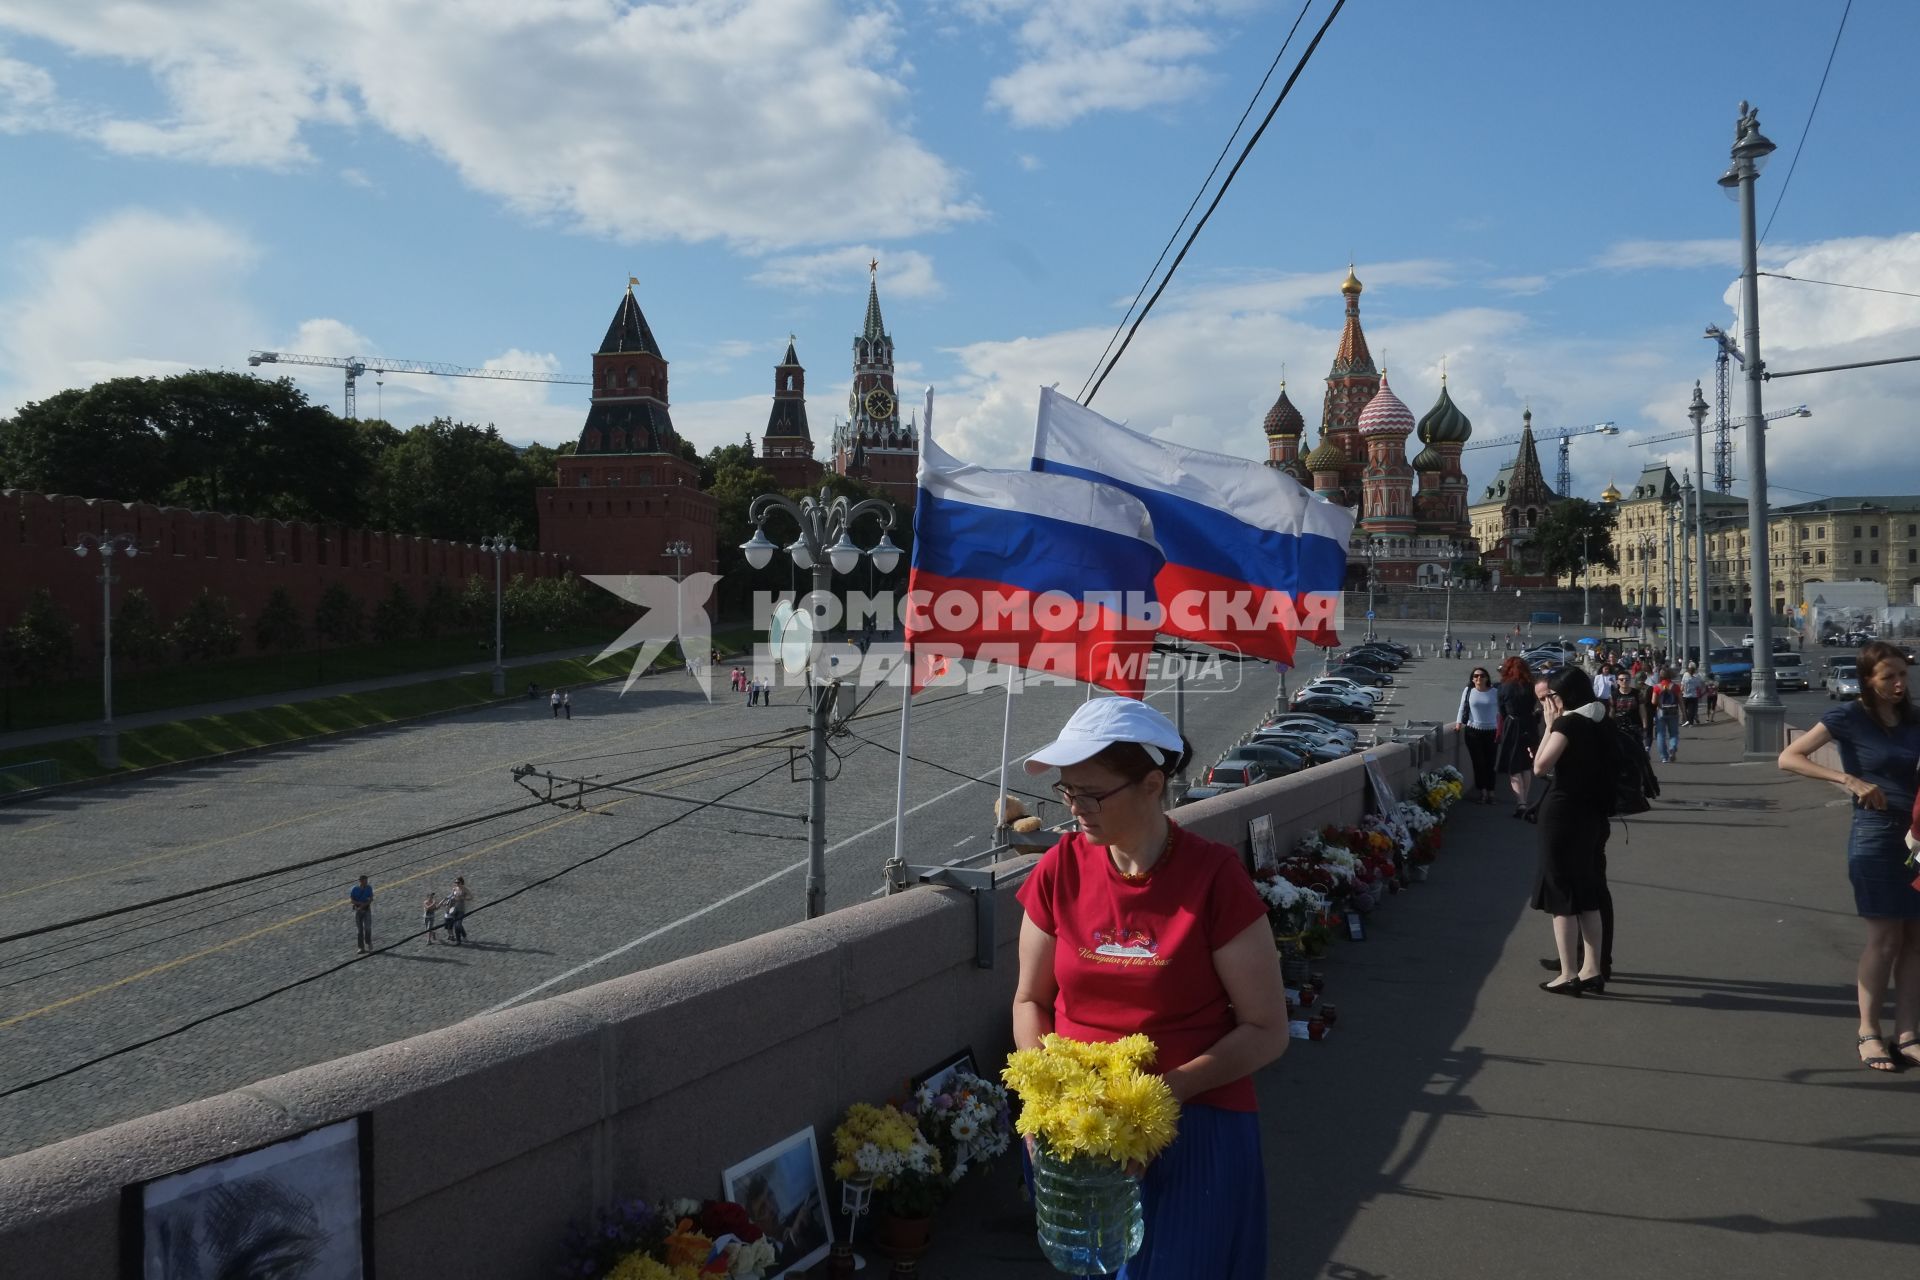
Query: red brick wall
621, 529
239, 557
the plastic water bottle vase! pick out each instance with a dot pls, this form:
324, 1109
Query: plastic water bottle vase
1089, 1213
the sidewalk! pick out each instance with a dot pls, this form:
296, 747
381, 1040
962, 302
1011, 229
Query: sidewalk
168, 715
1705, 1117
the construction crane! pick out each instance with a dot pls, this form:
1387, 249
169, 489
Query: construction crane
1565, 438
1798, 411
1722, 421
354, 366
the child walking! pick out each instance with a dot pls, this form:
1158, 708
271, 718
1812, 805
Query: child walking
429, 918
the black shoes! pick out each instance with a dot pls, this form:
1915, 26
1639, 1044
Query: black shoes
1554, 987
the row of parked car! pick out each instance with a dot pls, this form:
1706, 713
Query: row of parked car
1316, 728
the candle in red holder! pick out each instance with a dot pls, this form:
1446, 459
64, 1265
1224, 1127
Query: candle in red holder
1307, 998
1316, 1028
1329, 1014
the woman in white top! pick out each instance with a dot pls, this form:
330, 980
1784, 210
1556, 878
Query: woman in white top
1479, 722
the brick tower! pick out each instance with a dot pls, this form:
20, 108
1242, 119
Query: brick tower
786, 450
872, 445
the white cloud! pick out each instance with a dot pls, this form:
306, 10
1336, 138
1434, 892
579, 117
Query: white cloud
1647, 255
740, 120
904, 273
1082, 56
1519, 286
1031, 164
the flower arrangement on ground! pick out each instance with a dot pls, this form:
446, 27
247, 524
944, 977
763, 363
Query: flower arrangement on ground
1084, 1100
670, 1240
1440, 790
884, 1146
966, 1118
1290, 907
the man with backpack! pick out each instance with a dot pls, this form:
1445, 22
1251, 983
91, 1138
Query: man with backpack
1666, 717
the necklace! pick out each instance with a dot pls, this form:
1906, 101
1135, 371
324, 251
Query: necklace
1141, 877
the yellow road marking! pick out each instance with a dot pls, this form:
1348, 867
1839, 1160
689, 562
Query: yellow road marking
289, 922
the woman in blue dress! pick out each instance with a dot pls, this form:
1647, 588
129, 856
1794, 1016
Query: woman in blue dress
1879, 741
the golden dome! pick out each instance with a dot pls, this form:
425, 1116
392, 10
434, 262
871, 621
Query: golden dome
1352, 283
1609, 494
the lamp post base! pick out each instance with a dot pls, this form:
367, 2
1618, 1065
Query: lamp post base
499, 681
1766, 731
106, 748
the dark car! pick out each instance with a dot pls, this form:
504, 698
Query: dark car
1360, 675
1316, 750
1200, 793
1241, 773
1311, 721
1370, 658
1334, 709
1277, 756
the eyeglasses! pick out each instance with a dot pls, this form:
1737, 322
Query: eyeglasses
1087, 801
1481, 675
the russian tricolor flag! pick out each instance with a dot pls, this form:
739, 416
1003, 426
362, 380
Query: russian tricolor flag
1252, 558
1045, 572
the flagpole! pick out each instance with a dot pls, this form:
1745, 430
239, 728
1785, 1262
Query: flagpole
897, 868
1006, 732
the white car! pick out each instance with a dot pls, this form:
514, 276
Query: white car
1746, 641
1340, 684
1357, 700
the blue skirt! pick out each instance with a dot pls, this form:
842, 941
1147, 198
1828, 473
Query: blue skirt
1204, 1200
1877, 866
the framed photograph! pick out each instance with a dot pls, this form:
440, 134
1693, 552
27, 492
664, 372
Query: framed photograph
783, 1192
1265, 846
939, 1076
1383, 797
294, 1208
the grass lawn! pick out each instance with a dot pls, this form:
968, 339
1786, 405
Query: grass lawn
185, 740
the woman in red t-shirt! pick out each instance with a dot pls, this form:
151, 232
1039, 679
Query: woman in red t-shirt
1133, 925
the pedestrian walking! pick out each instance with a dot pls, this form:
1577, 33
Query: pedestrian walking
457, 899
1519, 730
554, 701
430, 916
1713, 698
1571, 883
1666, 717
1603, 684
1879, 740
361, 899
1692, 686
566, 704
1479, 723
1212, 1001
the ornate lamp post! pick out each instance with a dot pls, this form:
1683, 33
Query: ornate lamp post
1697, 411
498, 545
1373, 553
1586, 584
1764, 715
679, 549
1645, 541
107, 742
825, 548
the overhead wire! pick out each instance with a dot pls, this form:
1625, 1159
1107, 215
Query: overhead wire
1225, 184
1205, 182
1799, 148
1835, 284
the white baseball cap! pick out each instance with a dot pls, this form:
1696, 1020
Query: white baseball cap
1100, 723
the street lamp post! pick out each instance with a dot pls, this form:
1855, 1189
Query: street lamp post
498, 546
1645, 543
825, 548
1690, 630
1764, 715
1666, 513
679, 549
1373, 552
1698, 412
1453, 558
1586, 580
107, 742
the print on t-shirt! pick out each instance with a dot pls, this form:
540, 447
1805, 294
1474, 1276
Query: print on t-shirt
1125, 943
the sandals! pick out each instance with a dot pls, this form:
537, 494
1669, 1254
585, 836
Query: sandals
1880, 1062
1911, 1045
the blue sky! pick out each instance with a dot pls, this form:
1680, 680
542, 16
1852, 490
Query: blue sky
1527, 191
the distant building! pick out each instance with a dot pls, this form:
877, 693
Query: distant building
872, 445
1509, 510
628, 490
786, 447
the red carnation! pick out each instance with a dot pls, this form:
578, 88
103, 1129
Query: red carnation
724, 1217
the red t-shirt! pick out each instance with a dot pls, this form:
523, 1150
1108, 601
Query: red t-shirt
1139, 958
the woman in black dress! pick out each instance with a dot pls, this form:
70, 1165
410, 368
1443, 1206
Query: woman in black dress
1519, 730
1572, 882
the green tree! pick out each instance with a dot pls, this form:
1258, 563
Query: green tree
337, 616
208, 629
103, 441
442, 611
450, 480
278, 628
139, 637
395, 617
1557, 547
39, 645
737, 479
476, 602
241, 443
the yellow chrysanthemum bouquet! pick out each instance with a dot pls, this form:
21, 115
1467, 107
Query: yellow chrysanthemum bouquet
1095, 1111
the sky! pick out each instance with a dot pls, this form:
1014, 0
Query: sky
1527, 191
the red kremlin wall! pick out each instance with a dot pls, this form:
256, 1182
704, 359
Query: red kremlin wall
240, 557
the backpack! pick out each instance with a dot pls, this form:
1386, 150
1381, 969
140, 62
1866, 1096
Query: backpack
1668, 697
1634, 782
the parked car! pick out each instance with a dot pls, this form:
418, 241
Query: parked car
1279, 757
1337, 709
1843, 682
1789, 672
1381, 646
1746, 641
1312, 721
1369, 658
1201, 793
1238, 773
1351, 697
1731, 669
1340, 684
1359, 674
1312, 751
1341, 737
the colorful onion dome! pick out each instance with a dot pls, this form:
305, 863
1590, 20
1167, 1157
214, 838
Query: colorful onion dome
1283, 419
1352, 283
1386, 412
1429, 459
1444, 423
1609, 494
1327, 457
